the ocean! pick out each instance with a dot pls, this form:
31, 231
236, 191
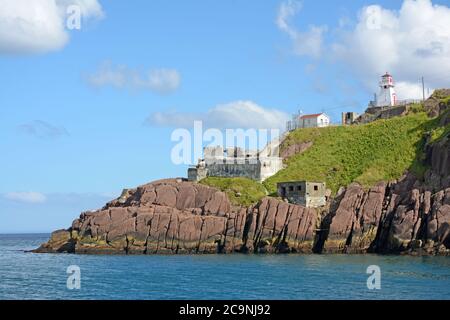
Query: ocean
232, 277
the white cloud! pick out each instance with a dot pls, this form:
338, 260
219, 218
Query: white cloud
89, 8
408, 90
63, 198
162, 81
38, 26
238, 114
305, 43
42, 129
286, 11
409, 43
26, 197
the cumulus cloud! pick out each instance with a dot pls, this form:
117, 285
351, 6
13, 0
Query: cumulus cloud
409, 90
409, 43
42, 129
28, 27
26, 197
161, 81
305, 43
238, 114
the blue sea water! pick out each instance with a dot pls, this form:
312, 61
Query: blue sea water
43, 276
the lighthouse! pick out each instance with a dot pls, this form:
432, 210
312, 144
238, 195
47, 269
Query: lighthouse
387, 96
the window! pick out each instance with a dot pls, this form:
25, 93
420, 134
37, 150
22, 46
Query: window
299, 188
316, 188
291, 188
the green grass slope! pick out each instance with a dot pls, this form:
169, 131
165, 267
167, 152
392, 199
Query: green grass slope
241, 191
381, 150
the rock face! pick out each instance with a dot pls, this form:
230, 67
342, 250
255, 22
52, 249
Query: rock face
404, 216
180, 217
294, 149
434, 105
176, 216
352, 225
439, 159
393, 218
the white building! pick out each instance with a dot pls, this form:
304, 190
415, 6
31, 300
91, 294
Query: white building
318, 120
387, 96
236, 162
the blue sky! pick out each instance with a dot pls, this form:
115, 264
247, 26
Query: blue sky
78, 107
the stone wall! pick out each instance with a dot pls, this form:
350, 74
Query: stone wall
308, 194
376, 113
232, 170
197, 174
393, 112
315, 202
251, 168
270, 166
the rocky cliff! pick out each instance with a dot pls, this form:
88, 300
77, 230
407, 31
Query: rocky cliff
405, 216
178, 217
400, 217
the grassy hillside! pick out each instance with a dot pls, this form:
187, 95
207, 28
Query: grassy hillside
381, 150
241, 191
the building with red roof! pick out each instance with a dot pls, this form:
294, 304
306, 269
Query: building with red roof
317, 120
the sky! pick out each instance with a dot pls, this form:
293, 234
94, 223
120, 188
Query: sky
88, 106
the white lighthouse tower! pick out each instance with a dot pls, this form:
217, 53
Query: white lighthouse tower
387, 96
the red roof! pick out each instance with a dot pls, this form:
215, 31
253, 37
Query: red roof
306, 116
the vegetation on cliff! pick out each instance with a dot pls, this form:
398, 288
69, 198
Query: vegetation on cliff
379, 151
240, 191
